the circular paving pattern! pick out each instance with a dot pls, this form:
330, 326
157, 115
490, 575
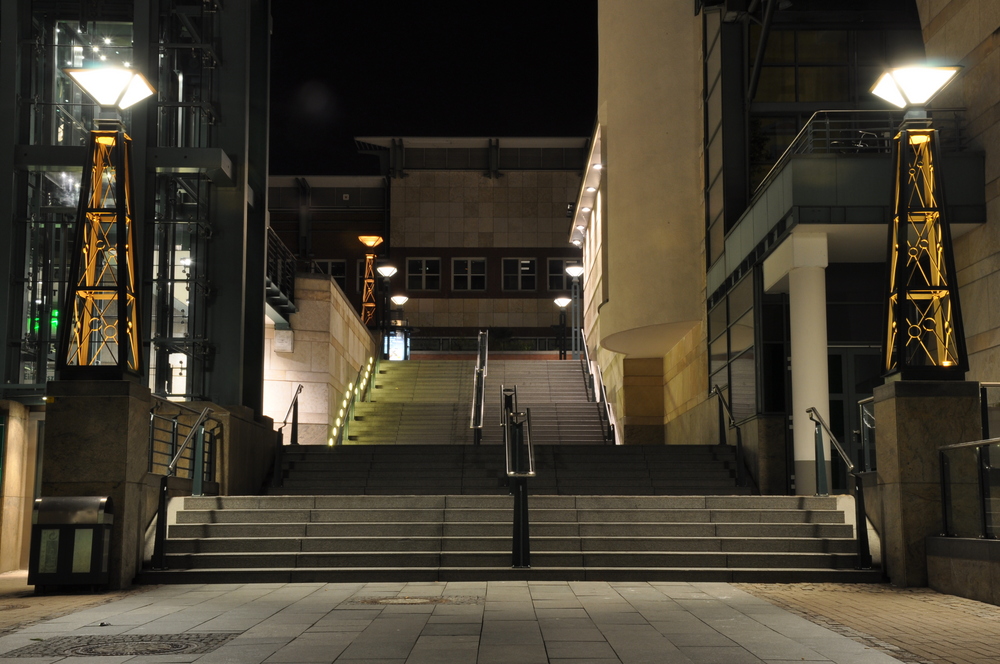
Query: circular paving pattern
124, 645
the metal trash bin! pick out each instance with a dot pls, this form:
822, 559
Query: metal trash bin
70, 541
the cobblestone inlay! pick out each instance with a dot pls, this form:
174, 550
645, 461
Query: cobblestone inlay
438, 599
813, 602
124, 645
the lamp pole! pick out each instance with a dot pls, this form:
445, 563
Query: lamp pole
100, 338
386, 272
561, 302
576, 271
924, 337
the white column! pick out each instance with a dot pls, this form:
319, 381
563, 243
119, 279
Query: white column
803, 259
810, 380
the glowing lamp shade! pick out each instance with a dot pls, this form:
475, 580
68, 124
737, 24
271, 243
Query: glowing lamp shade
387, 271
370, 240
561, 302
399, 300
112, 86
912, 86
574, 270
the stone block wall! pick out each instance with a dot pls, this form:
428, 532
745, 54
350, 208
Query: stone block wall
328, 345
19, 453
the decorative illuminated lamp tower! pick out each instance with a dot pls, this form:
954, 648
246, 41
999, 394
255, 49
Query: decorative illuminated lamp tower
100, 336
924, 338
368, 291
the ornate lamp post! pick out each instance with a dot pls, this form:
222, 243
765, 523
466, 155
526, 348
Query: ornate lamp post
924, 336
101, 336
368, 292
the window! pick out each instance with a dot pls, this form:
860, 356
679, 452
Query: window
423, 273
519, 273
336, 269
558, 279
468, 274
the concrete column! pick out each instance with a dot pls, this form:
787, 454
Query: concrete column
799, 265
810, 379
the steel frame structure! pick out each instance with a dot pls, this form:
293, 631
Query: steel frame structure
924, 337
100, 338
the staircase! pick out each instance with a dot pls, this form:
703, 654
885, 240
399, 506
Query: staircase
471, 470
410, 499
556, 393
278, 539
430, 402
416, 402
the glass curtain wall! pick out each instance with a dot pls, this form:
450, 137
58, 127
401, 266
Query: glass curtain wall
187, 113
55, 112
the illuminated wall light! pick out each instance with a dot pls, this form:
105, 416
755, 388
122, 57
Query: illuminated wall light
580, 227
591, 189
329, 442
585, 209
338, 422
344, 405
597, 167
341, 413
577, 242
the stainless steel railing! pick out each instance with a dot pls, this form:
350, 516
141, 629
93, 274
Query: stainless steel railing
864, 559
479, 387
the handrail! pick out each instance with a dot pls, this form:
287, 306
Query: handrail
517, 428
864, 559
352, 395
803, 144
975, 443
479, 387
866, 432
984, 407
741, 475
187, 440
600, 395
291, 406
585, 361
985, 471
160, 533
818, 419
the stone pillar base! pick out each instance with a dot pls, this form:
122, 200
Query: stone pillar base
96, 444
913, 419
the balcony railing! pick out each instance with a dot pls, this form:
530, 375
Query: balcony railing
862, 132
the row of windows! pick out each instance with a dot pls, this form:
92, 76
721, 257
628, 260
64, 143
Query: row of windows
467, 274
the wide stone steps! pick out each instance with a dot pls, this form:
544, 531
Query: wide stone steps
403, 537
430, 402
469, 469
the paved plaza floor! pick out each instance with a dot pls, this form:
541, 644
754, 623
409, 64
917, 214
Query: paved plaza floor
486, 622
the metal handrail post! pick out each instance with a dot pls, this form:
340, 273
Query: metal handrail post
861, 522
983, 479
159, 540
945, 466
822, 489
984, 411
295, 421
722, 422
741, 472
198, 463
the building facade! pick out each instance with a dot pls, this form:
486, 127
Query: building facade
474, 227
739, 229
199, 184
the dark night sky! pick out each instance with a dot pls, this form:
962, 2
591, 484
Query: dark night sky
346, 68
